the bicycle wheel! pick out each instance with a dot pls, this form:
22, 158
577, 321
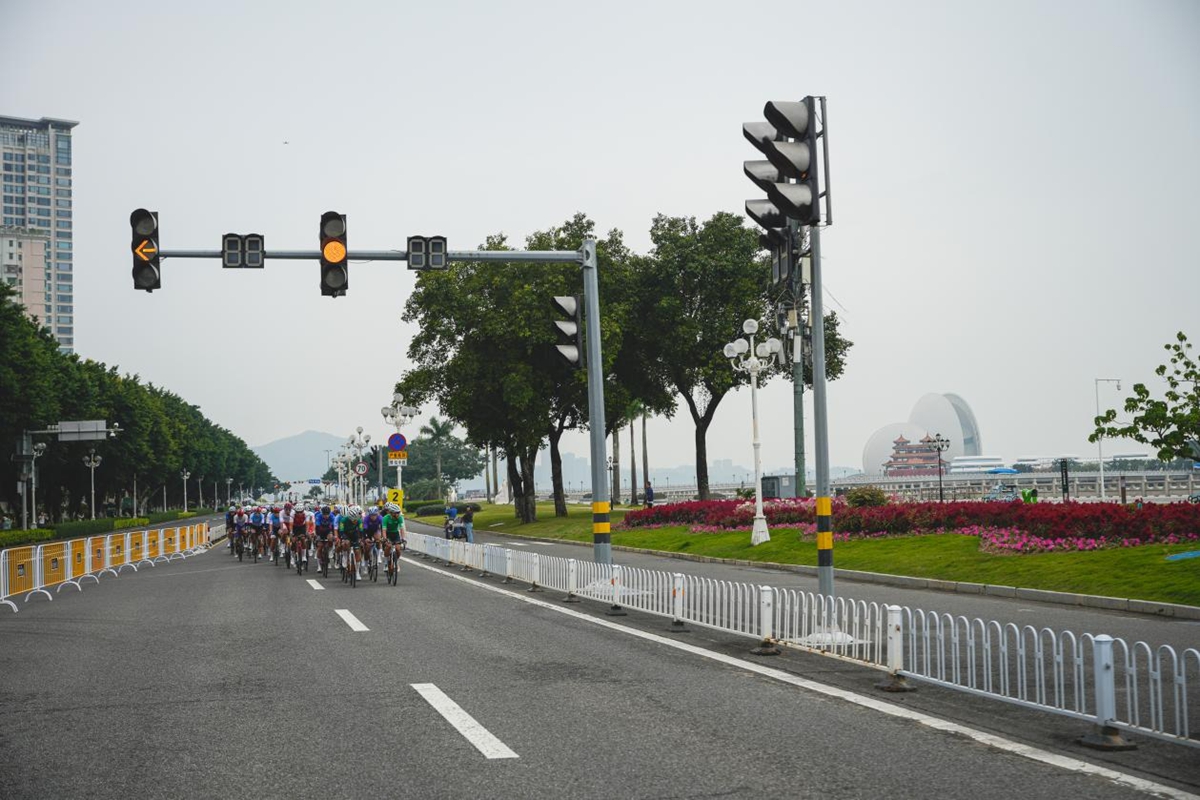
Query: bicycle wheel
239, 547
352, 570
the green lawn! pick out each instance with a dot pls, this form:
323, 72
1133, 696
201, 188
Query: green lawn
1137, 572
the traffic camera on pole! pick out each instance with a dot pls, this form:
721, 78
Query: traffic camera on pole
569, 331
335, 273
147, 272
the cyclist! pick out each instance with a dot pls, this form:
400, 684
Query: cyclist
277, 540
229, 515
393, 528
323, 530
297, 529
240, 520
373, 535
350, 532
258, 522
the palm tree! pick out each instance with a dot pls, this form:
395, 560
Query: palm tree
437, 433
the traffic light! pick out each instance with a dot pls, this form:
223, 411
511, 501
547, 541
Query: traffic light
335, 274
147, 272
789, 175
427, 252
569, 331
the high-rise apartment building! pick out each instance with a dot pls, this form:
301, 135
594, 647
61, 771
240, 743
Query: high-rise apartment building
36, 247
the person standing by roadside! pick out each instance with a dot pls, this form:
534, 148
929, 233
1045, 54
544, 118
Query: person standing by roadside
468, 518
648, 494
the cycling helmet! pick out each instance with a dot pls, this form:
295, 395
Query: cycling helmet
392, 508
233, 508
324, 509
374, 511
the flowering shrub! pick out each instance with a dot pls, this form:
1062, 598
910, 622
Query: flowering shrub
1014, 527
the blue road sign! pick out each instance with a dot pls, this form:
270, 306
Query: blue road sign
314, 480
397, 442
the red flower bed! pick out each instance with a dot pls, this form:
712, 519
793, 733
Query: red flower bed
1108, 521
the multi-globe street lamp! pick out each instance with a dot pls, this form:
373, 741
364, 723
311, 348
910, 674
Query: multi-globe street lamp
359, 442
91, 461
939, 444
183, 473
39, 450
229, 491
398, 415
745, 356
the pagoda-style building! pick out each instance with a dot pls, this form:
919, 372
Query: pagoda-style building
912, 458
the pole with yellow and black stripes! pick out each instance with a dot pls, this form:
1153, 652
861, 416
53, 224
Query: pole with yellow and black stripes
601, 536
821, 425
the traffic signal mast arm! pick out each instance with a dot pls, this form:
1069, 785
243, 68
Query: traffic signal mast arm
509, 256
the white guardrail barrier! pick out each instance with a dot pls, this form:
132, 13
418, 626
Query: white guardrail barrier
33, 569
1112, 684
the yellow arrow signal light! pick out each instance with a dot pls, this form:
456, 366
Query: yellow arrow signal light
146, 250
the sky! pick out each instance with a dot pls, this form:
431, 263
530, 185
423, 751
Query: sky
1013, 185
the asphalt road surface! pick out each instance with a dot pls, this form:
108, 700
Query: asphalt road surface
213, 678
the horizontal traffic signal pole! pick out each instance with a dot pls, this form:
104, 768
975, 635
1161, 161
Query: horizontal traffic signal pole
500, 256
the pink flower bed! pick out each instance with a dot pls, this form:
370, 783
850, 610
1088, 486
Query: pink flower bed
1001, 527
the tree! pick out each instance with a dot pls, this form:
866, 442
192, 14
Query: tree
437, 433
1170, 425
696, 288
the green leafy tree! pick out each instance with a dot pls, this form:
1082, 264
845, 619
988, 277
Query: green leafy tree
696, 288
437, 433
1170, 425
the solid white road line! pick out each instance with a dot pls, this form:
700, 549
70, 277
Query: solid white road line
483, 739
313, 583
351, 620
998, 742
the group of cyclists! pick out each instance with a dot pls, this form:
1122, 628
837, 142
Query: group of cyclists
358, 541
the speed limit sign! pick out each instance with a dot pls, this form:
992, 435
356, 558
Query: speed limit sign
360, 468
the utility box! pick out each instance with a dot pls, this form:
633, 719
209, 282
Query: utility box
778, 486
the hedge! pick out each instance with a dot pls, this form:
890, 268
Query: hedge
170, 516
20, 537
87, 527
436, 509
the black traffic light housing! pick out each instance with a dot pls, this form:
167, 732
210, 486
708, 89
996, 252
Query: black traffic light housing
569, 331
335, 271
789, 141
147, 267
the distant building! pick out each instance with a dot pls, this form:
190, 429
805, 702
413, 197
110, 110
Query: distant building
933, 414
965, 464
36, 234
912, 458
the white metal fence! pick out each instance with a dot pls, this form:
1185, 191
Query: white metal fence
1097, 678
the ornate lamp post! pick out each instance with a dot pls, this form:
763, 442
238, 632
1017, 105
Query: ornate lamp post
745, 356
185, 475
39, 450
91, 461
398, 415
229, 491
939, 444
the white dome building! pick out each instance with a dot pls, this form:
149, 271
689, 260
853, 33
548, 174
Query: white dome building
947, 414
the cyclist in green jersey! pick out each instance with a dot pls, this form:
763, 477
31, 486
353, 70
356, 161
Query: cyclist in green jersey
393, 529
350, 532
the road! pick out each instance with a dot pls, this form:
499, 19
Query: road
213, 678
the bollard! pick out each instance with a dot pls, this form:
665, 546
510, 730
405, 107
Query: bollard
677, 625
615, 610
537, 573
572, 581
766, 619
1104, 736
508, 565
468, 551
895, 653
483, 573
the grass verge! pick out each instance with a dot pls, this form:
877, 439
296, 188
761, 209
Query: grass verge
1141, 573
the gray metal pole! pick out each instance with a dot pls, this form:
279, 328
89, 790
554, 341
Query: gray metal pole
821, 422
797, 280
601, 536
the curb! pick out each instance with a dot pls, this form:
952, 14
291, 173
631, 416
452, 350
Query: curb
1128, 605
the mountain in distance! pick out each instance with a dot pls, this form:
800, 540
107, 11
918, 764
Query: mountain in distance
300, 457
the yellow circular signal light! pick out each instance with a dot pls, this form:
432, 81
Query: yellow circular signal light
334, 251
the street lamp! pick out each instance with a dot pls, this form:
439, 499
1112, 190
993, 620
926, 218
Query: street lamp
229, 491
1100, 439
91, 461
398, 415
941, 445
359, 442
38, 450
185, 475
745, 356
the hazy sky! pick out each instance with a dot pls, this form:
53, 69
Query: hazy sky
1014, 184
